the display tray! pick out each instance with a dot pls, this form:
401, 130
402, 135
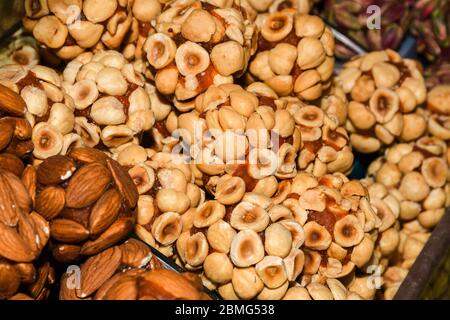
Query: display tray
429, 276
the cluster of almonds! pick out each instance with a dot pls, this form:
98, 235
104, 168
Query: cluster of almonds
384, 91
197, 45
128, 272
88, 199
69, 28
295, 55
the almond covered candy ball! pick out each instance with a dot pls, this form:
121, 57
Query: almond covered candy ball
88, 199
23, 235
111, 103
198, 44
416, 174
384, 91
295, 55
70, 27
119, 273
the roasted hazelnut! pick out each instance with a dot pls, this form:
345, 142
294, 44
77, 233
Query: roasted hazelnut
297, 293
271, 271
316, 236
218, 268
208, 213
220, 236
246, 283
246, 248
348, 231
319, 291
278, 240
167, 227
247, 215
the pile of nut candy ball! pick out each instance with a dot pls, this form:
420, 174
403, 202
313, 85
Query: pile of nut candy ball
218, 133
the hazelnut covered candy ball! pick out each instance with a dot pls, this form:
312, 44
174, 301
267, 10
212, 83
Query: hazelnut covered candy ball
417, 176
384, 91
68, 28
198, 44
112, 105
295, 55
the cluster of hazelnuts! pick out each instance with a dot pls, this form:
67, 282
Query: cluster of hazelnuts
216, 132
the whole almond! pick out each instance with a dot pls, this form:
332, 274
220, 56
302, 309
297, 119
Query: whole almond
87, 185
12, 163
55, 170
66, 253
43, 275
116, 232
9, 215
21, 296
68, 231
96, 270
29, 180
123, 182
103, 290
9, 280
42, 229
12, 246
50, 202
87, 155
20, 148
67, 287
20, 192
7, 127
105, 211
135, 253
26, 272
164, 284
11, 102
124, 289
28, 233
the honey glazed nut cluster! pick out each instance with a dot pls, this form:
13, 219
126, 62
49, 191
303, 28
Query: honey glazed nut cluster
312, 230
98, 100
68, 28
295, 55
197, 45
259, 7
384, 92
